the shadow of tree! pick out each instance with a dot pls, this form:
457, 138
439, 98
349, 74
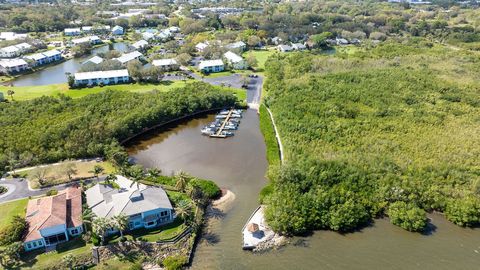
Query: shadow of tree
211, 238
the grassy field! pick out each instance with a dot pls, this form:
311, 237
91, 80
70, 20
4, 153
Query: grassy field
54, 174
266, 126
30, 92
261, 55
114, 264
10, 209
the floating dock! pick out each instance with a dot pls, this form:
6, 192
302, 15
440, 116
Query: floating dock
219, 133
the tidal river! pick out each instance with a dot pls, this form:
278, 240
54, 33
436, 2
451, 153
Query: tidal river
239, 164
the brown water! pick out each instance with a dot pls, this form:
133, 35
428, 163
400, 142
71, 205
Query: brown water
239, 164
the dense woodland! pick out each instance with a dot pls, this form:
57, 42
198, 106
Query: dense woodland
389, 130
49, 129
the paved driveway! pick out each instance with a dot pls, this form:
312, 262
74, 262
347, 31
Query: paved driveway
18, 188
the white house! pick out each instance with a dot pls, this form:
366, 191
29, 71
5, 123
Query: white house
140, 45
210, 66
45, 57
127, 57
54, 219
235, 60
298, 46
145, 206
72, 31
87, 29
239, 45
166, 64
341, 41
10, 66
15, 50
98, 77
148, 35
117, 30
89, 39
94, 60
284, 48
12, 36
201, 46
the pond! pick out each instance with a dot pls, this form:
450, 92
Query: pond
56, 73
239, 164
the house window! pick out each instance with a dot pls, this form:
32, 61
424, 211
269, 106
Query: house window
34, 244
40, 243
164, 213
29, 246
74, 231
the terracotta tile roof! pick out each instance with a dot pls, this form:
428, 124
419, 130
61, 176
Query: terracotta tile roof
63, 208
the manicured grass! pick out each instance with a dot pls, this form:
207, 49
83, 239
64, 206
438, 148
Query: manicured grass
165, 232
10, 209
40, 260
114, 264
268, 131
261, 55
55, 176
30, 92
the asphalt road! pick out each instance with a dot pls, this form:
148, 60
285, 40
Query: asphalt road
18, 188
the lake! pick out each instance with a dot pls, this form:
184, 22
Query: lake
56, 73
239, 164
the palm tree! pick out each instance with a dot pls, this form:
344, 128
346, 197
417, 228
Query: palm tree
136, 174
100, 227
87, 217
154, 172
196, 193
97, 169
182, 180
111, 178
183, 210
11, 93
121, 223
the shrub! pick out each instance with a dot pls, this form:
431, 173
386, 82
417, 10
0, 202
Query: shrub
95, 240
209, 188
3, 189
52, 192
175, 262
136, 266
14, 231
265, 192
464, 212
408, 216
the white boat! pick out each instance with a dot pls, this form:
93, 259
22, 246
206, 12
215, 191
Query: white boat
220, 116
224, 112
234, 115
208, 130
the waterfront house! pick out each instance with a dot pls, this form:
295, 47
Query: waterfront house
53, 219
117, 30
140, 45
12, 66
94, 40
166, 64
101, 77
298, 46
284, 48
72, 31
94, 60
45, 57
145, 206
23, 47
209, 66
239, 45
127, 57
235, 61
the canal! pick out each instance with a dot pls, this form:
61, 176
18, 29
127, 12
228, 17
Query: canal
56, 73
239, 164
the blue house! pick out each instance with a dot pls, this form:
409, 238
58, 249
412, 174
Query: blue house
145, 206
54, 219
45, 57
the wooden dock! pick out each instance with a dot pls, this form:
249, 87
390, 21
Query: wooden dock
219, 134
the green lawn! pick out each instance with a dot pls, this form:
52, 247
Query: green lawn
114, 264
30, 92
10, 209
261, 55
165, 232
40, 260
